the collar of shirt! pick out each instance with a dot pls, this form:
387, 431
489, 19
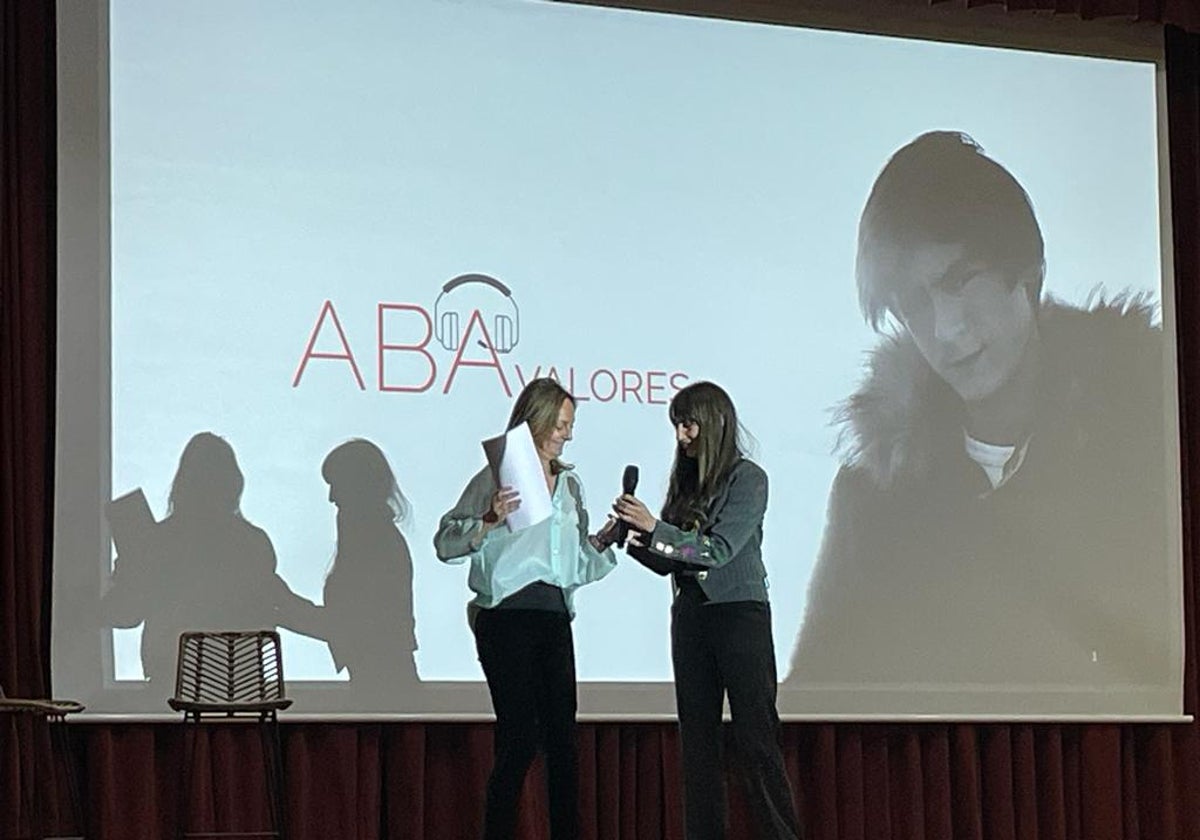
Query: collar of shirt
998, 462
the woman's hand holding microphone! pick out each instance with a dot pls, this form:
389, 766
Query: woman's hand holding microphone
636, 515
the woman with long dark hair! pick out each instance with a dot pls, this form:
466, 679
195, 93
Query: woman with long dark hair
709, 539
521, 613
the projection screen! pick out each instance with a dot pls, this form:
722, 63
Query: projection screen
292, 233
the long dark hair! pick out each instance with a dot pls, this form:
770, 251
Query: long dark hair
696, 481
538, 404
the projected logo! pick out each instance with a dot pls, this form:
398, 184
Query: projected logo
476, 318
455, 300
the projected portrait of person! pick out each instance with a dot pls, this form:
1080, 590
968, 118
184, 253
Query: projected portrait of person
368, 616
999, 514
204, 567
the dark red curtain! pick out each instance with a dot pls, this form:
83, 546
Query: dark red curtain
414, 780
27, 155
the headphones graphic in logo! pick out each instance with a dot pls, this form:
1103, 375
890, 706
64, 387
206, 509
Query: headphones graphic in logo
505, 328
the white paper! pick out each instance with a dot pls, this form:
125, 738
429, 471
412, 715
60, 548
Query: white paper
514, 460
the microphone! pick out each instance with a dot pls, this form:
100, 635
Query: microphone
629, 483
629, 480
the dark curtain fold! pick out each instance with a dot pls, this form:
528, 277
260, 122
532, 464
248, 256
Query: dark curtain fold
859, 782
413, 780
27, 259
27, 155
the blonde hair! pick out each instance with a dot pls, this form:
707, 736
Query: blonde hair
538, 405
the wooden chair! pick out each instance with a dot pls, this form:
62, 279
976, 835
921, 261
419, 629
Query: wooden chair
45, 715
229, 675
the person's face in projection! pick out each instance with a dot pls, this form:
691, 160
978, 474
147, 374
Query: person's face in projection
551, 446
968, 323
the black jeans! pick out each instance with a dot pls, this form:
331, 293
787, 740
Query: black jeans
719, 648
528, 657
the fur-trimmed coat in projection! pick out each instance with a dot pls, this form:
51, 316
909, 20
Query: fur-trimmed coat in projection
1059, 577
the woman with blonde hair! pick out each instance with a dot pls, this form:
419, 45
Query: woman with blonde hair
521, 613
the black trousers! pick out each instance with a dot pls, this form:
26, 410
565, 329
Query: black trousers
528, 657
719, 648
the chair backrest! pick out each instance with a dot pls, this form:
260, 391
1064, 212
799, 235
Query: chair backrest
238, 668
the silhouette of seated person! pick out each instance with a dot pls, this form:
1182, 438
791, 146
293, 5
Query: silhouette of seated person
368, 616
204, 567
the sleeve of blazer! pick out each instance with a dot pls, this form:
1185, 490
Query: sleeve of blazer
737, 518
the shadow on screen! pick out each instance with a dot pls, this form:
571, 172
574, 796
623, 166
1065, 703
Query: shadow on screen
367, 620
204, 567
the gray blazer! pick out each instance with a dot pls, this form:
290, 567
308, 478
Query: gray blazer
725, 555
